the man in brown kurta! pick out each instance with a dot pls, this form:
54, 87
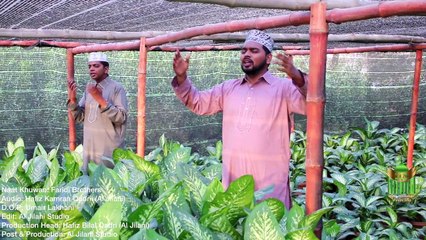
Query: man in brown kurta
257, 112
103, 110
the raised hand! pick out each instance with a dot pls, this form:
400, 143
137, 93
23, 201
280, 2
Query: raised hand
72, 90
180, 66
285, 64
96, 93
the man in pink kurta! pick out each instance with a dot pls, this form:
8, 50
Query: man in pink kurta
257, 113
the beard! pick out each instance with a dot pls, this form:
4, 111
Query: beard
254, 70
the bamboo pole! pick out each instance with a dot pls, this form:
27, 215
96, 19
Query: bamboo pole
414, 104
383, 48
221, 37
71, 122
382, 9
274, 4
315, 108
298, 37
210, 48
141, 119
76, 34
39, 43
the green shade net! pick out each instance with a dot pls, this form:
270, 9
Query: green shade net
33, 93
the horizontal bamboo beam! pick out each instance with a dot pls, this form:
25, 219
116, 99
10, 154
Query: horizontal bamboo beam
222, 37
210, 48
39, 43
279, 4
75, 34
383, 9
384, 48
278, 37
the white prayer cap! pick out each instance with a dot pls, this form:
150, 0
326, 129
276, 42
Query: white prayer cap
98, 57
260, 37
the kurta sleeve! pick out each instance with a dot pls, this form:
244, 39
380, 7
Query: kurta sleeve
297, 98
77, 110
206, 102
117, 108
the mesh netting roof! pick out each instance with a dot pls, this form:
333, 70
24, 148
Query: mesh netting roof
151, 15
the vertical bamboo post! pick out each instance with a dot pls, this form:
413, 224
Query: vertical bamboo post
414, 103
141, 102
315, 108
71, 122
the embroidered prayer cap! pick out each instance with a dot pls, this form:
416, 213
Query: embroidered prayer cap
98, 57
260, 37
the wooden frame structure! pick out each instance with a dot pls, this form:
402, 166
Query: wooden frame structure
318, 18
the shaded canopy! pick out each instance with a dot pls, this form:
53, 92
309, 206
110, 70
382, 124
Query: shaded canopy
156, 17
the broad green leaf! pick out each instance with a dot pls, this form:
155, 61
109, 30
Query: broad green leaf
372, 199
331, 228
211, 150
13, 219
392, 215
212, 172
326, 200
72, 168
217, 221
219, 148
106, 222
136, 178
212, 190
162, 141
10, 148
149, 168
37, 169
150, 234
191, 224
277, 207
172, 224
194, 183
130, 203
137, 181
181, 155
123, 172
11, 168
40, 151
22, 178
105, 184
52, 180
295, 217
66, 222
52, 154
302, 234
26, 208
119, 154
149, 211
153, 155
312, 220
240, 194
262, 224
12, 195
366, 225
74, 193
359, 197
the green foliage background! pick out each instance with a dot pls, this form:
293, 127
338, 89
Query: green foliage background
33, 93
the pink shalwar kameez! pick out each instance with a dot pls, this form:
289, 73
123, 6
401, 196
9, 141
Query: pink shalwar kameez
256, 127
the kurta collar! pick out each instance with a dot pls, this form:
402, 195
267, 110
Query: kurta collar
267, 77
104, 82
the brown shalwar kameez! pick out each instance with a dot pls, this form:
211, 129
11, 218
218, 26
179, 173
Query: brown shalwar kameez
256, 126
104, 129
